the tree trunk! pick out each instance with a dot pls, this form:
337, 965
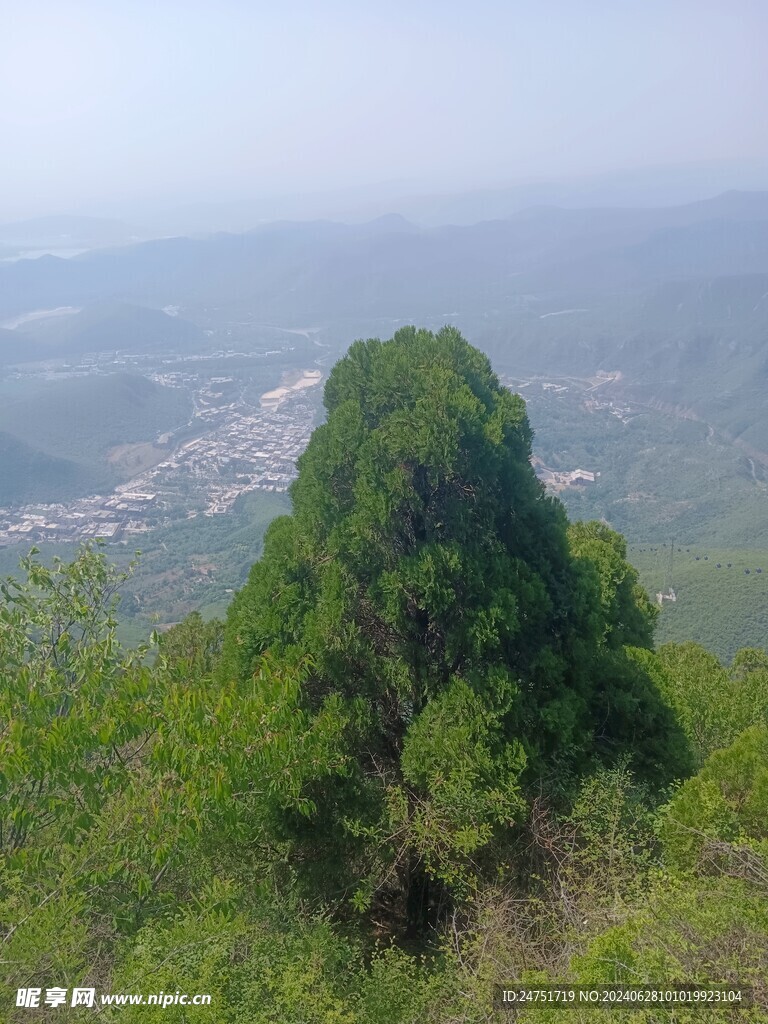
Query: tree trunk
417, 901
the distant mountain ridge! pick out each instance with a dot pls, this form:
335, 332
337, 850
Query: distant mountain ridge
390, 267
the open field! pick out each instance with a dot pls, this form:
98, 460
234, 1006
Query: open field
131, 459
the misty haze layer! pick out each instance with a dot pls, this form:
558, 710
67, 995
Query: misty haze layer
108, 108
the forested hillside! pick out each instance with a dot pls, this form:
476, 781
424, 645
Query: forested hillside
431, 751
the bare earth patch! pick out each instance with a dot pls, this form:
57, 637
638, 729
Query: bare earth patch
133, 459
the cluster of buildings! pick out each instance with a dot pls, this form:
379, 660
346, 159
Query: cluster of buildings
232, 446
112, 517
252, 450
240, 448
620, 410
556, 480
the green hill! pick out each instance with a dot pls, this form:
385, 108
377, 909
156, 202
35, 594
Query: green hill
29, 475
722, 594
661, 476
70, 426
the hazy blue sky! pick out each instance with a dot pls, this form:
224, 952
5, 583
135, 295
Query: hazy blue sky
182, 101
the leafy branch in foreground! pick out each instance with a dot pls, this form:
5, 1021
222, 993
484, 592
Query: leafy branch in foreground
75, 711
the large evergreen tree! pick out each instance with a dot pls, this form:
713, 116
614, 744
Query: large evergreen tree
431, 585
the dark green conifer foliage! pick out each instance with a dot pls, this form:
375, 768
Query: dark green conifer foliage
433, 586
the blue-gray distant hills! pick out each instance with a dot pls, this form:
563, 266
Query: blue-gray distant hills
390, 267
103, 327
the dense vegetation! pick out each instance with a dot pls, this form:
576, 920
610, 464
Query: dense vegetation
469, 644
431, 751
